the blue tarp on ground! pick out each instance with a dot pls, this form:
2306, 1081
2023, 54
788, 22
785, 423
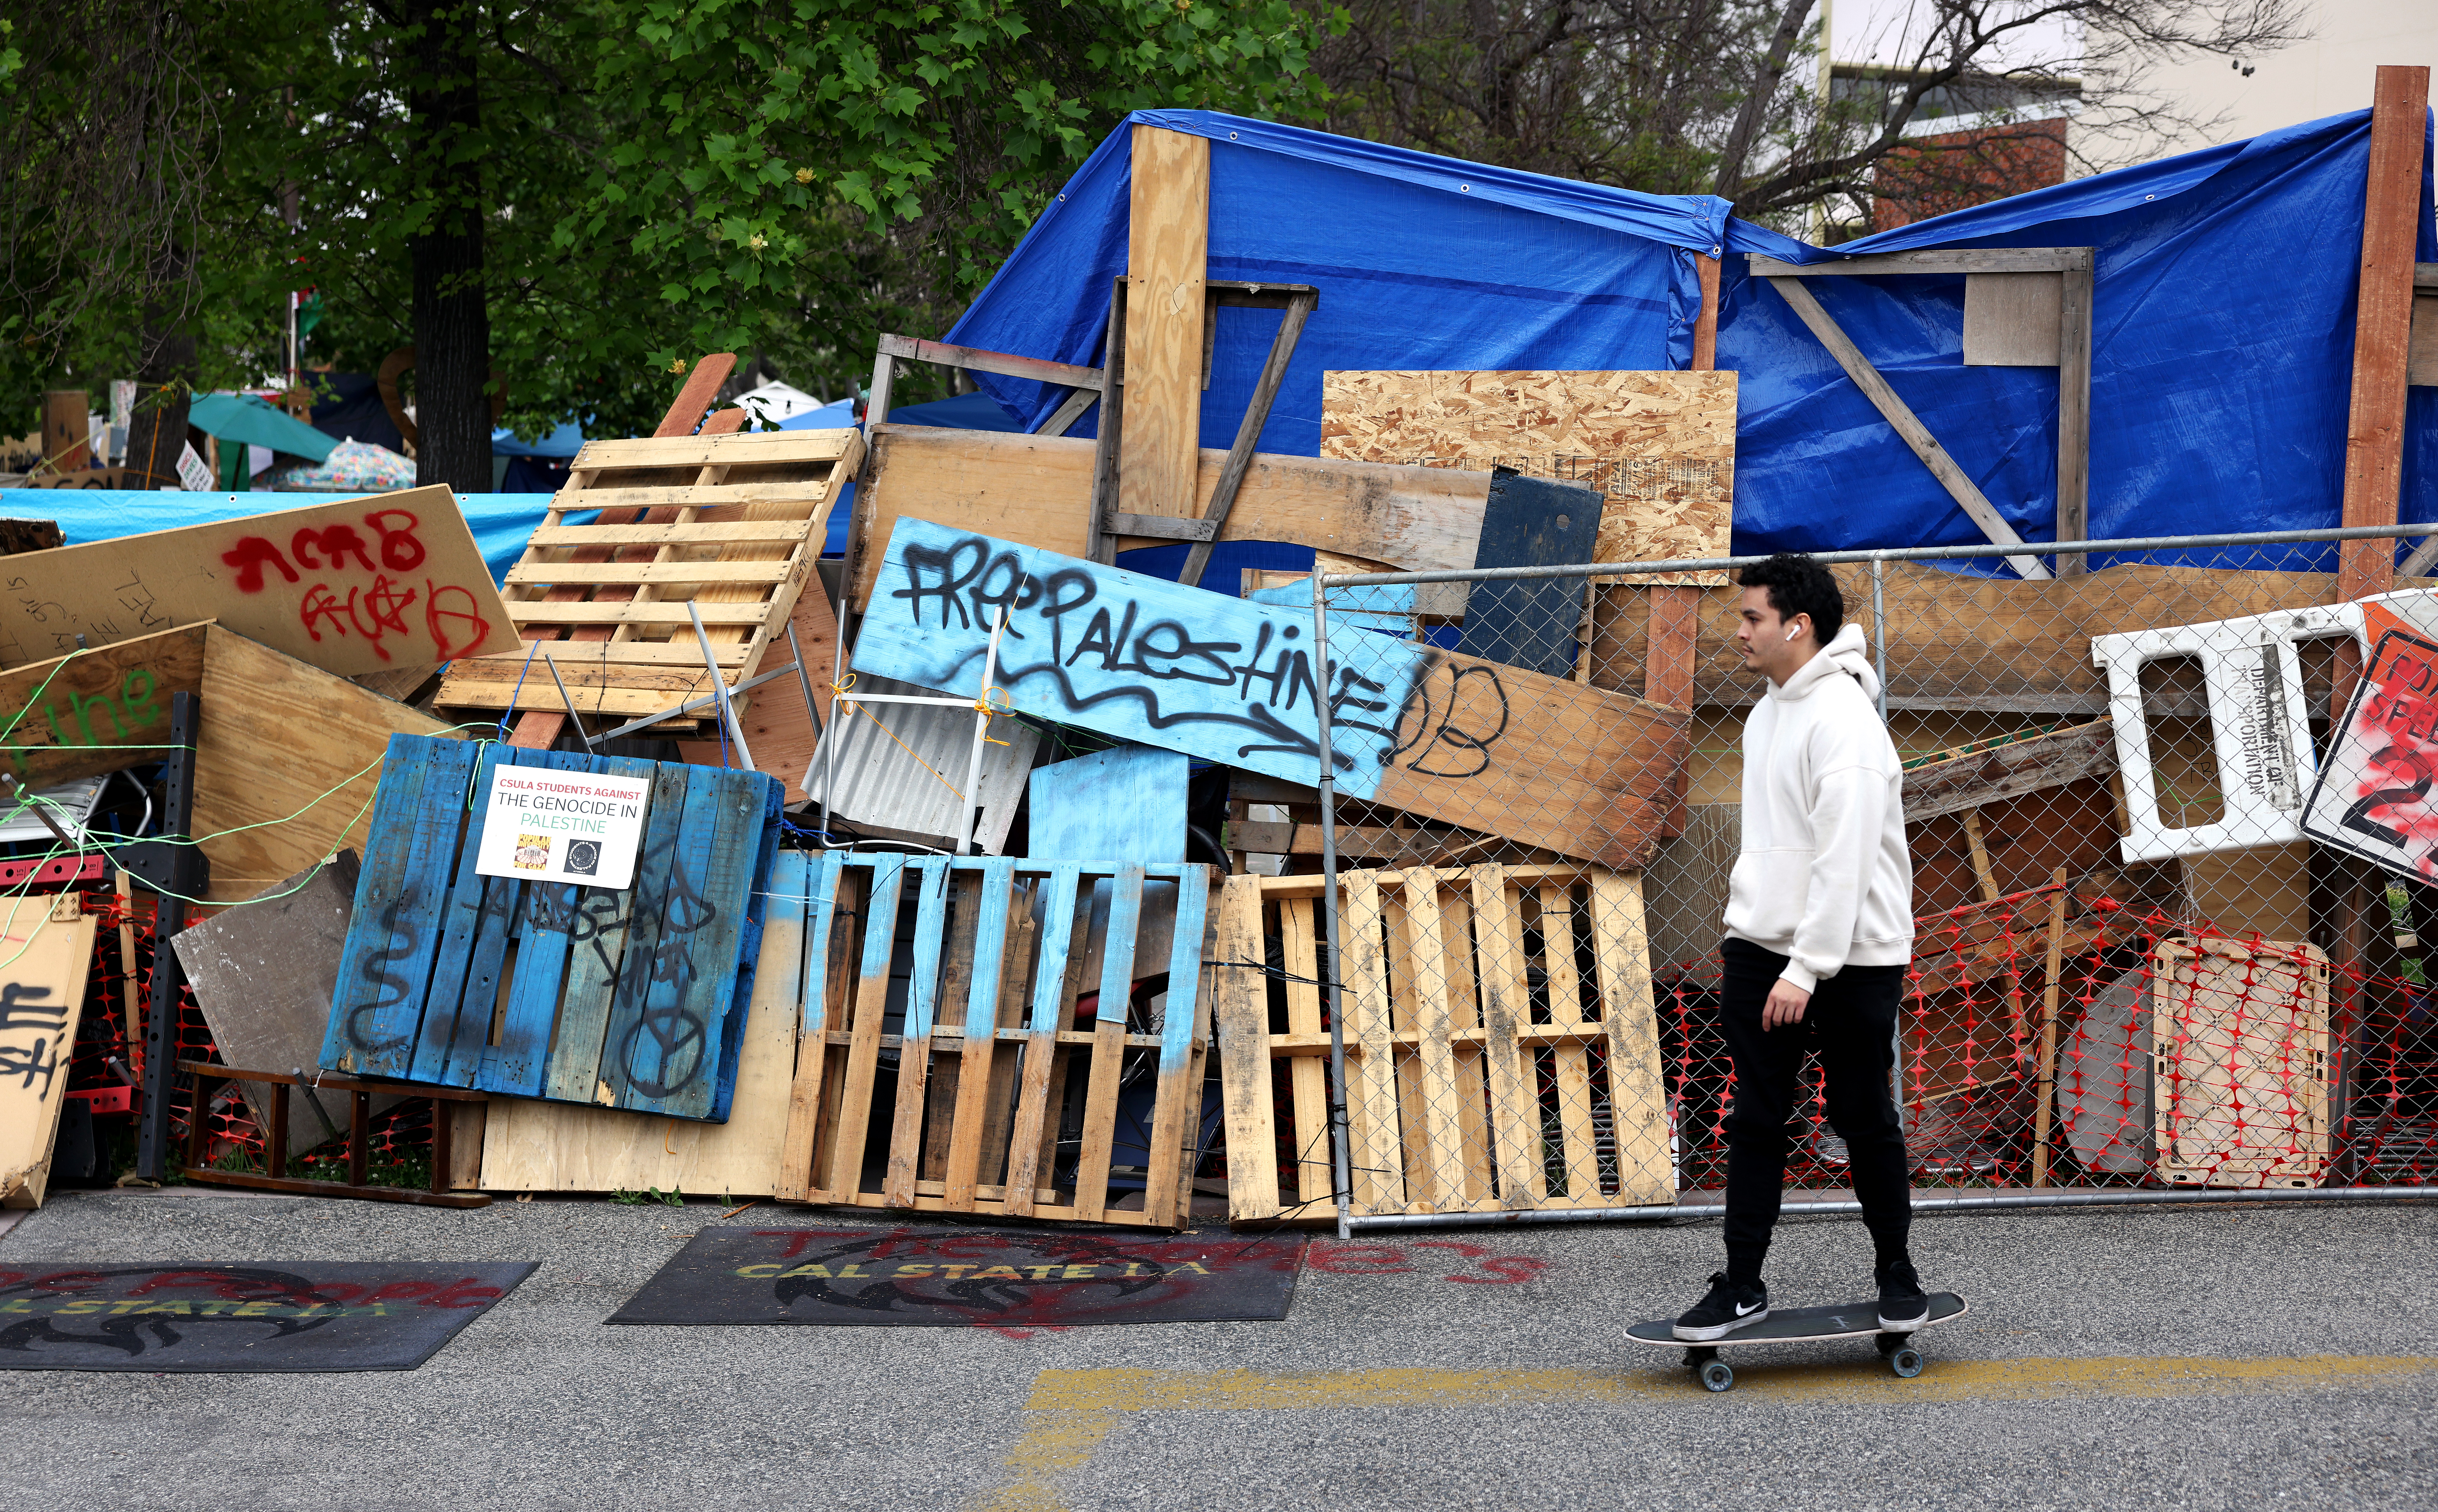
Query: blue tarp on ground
2222, 335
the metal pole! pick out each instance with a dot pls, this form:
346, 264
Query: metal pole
1879, 627
812, 710
1340, 1161
1919, 554
168, 918
719, 687
2149, 1197
982, 734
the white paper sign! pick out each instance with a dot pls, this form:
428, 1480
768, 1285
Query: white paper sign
544, 825
193, 471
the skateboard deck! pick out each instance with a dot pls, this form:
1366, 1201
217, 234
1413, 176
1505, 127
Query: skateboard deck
1851, 1320
1798, 1324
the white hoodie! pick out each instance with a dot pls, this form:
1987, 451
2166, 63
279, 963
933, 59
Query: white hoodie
1824, 877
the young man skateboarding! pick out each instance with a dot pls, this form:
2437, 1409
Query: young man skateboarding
1819, 928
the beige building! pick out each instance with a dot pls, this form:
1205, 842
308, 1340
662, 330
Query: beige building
2329, 74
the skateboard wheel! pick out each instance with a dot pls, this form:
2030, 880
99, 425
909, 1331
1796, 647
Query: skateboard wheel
1716, 1377
1906, 1361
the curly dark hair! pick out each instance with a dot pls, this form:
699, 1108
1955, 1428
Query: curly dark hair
1798, 585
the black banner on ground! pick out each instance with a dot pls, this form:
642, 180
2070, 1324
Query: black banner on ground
961, 1277
199, 1317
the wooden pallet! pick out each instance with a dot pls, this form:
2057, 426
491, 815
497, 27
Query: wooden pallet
2239, 1046
731, 523
1478, 1057
987, 1060
629, 998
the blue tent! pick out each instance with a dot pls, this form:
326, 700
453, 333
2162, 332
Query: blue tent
2222, 336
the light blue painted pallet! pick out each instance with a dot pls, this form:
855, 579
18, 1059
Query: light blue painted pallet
988, 1051
632, 998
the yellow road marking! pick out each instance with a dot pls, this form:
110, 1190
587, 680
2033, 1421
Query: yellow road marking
1057, 1442
2033, 1379
1071, 1412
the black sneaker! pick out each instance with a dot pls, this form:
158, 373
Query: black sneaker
1903, 1305
1727, 1308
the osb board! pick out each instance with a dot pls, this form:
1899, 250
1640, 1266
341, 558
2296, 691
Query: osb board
1956, 641
43, 983
95, 710
1039, 490
1661, 447
290, 748
560, 1147
361, 585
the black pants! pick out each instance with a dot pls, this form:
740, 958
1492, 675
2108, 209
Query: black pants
1850, 1025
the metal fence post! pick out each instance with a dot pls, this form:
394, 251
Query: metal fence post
1332, 992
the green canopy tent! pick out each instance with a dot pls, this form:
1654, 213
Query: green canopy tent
240, 420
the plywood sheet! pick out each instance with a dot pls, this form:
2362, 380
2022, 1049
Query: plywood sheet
41, 997
1661, 447
1039, 490
287, 758
532, 1146
95, 710
361, 585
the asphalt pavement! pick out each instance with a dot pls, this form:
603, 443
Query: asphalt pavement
2227, 1357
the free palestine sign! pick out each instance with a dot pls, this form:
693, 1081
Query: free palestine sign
541, 824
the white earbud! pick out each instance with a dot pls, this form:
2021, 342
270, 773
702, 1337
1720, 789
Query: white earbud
1792, 634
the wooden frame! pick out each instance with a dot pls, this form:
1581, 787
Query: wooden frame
975, 1119
2074, 267
730, 522
273, 1177
1467, 1091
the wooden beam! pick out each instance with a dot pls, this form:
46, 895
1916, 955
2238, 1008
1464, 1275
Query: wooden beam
1034, 489
1167, 248
1971, 260
1916, 435
2074, 417
2383, 327
701, 391
973, 358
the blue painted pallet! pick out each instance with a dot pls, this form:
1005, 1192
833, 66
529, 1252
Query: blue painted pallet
631, 998
989, 1052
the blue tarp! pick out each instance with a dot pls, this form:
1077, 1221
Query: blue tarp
499, 522
2221, 352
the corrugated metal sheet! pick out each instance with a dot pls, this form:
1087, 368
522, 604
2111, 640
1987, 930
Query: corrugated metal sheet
915, 782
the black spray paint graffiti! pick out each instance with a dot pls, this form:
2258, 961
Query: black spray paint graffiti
666, 1050
965, 586
391, 986
21, 1010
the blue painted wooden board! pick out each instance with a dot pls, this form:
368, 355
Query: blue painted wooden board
1128, 800
1535, 759
1384, 608
634, 998
1531, 622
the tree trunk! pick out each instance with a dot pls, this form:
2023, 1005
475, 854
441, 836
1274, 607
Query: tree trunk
452, 321
1764, 89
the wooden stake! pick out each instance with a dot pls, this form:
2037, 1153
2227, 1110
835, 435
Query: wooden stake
1168, 244
2382, 331
2044, 1113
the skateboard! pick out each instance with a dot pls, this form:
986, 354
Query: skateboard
1854, 1320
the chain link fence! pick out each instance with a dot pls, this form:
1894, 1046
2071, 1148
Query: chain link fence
2154, 948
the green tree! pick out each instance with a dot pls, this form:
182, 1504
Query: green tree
592, 192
